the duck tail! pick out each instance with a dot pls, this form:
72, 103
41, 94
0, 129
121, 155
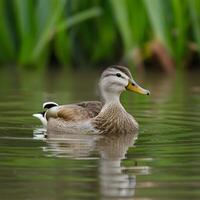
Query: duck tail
39, 115
42, 115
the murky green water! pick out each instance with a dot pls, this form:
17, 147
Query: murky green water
163, 163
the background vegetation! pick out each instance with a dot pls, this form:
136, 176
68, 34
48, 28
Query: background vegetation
95, 32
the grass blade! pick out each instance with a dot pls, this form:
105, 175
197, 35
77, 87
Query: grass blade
24, 12
46, 21
194, 7
121, 16
7, 50
78, 18
181, 24
156, 10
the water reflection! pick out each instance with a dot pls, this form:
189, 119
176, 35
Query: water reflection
115, 180
168, 141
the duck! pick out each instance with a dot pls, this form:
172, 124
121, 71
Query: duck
105, 117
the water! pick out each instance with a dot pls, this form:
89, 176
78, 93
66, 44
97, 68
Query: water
162, 163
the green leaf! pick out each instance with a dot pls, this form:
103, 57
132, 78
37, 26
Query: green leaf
24, 12
78, 18
158, 11
48, 14
121, 16
194, 7
7, 47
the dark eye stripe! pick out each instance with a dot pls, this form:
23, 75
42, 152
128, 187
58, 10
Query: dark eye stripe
113, 74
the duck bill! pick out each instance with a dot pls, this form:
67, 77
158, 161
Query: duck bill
134, 87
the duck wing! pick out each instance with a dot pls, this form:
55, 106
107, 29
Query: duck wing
75, 112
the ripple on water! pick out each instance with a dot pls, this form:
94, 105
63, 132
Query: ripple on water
163, 163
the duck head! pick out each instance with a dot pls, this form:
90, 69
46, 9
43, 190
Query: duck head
116, 79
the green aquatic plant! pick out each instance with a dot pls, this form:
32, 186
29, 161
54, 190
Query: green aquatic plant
34, 24
194, 6
37, 32
131, 21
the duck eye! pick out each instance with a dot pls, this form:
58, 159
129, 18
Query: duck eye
118, 75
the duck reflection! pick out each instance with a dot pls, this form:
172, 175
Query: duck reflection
115, 180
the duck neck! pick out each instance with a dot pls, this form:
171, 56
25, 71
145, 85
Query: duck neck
112, 104
111, 98
112, 118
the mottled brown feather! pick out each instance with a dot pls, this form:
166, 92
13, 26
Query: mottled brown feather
114, 119
76, 112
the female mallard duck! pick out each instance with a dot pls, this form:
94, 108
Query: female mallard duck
107, 117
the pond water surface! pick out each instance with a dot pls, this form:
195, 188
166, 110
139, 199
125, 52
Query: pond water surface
162, 163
